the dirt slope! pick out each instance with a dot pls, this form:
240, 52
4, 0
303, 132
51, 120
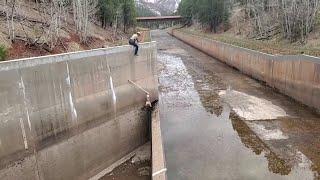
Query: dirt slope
31, 26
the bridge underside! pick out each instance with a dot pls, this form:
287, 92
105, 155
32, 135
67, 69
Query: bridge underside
160, 22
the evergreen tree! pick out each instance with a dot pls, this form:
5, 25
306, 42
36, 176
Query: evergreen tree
109, 11
213, 13
128, 14
208, 12
184, 10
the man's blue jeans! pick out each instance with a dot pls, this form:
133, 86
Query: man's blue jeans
133, 43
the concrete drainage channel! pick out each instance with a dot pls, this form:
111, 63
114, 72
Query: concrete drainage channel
296, 76
80, 115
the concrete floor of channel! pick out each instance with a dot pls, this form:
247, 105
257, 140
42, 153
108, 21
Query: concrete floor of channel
137, 166
218, 123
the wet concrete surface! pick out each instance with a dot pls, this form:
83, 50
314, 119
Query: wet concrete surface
220, 124
137, 167
132, 171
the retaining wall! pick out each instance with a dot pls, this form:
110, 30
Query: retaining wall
159, 170
297, 76
69, 116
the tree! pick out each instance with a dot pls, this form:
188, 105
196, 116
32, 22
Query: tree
53, 15
295, 19
56, 10
189, 9
107, 12
82, 10
10, 12
298, 17
208, 12
128, 14
185, 10
213, 13
113, 12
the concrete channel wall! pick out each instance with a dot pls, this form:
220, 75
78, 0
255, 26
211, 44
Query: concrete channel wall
297, 76
69, 116
159, 170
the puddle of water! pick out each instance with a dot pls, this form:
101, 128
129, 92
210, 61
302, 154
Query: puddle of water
176, 83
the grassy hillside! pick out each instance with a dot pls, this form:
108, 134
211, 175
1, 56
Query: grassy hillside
268, 46
240, 33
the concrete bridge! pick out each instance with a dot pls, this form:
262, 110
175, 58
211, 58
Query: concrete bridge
159, 22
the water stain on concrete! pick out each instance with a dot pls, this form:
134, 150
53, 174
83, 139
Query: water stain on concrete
208, 135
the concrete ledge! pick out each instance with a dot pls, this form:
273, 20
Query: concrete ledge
159, 171
297, 76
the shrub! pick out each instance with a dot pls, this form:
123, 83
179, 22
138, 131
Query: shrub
3, 53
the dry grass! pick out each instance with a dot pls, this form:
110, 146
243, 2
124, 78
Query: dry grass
270, 46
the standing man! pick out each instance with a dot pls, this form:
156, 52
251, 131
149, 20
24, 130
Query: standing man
134, 42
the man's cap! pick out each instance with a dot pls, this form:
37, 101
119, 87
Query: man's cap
139, 33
